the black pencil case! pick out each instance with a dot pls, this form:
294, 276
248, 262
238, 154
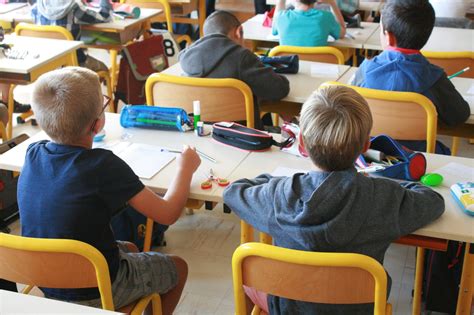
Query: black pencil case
242, 137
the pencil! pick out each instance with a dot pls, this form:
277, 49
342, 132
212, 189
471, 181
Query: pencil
459, 73
202, 154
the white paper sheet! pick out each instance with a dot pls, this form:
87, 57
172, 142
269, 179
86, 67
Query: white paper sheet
273, 37
471, 90
324, 70
454, 173
144, 159
286, 171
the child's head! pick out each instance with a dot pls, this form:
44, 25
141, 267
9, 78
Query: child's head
335, 125
307, 2
407, 23
67, 103
225, 23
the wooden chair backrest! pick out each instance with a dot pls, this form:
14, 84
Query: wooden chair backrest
44, 31
55, 263
46, 269
218, 103
317, 54
454, 65
315, 284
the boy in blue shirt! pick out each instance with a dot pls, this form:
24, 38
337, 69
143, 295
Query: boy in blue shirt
406, 26
332, 208
305, 25
69, 190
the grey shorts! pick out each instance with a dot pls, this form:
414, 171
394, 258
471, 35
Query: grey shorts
139, 275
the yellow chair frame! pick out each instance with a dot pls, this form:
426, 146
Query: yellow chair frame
78, 254
320, 54
163, 4
403, 97
260, 258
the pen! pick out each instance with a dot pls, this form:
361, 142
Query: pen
350, 35
459, 73
202, 154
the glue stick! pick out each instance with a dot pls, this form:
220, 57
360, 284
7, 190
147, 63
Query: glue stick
197, 113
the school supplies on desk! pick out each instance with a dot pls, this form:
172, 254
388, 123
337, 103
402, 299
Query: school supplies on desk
282, 64
154, 117
144, 159
124, 11
463, 193
211, 177
400, 162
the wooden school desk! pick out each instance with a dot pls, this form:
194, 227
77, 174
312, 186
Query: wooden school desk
21, 12
258, 34
19, 303
442, 39
453, 225
43, 55
184, 7
8, 7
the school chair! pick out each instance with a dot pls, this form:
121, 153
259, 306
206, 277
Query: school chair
331, 278
403, 116
58, 32
453, 62
165, 6
320, 54
61, 263
221, 99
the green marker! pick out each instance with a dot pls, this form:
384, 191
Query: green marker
196, 113
156, 122
459, 73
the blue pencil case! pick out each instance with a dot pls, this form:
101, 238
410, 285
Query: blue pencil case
410, 165
154, 117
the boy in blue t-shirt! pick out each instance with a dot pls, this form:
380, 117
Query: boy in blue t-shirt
307, 26
69, 190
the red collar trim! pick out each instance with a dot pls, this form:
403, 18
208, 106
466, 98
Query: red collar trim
404, 50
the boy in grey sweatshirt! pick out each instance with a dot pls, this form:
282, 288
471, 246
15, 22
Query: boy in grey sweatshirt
333, 208
220, 54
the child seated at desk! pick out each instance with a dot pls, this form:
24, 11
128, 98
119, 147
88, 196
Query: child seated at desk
406, 26
70, 14
69, 190
332, 208
220, 54
307, 26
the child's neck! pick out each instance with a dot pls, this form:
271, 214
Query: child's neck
85, 142
302, 7
405, 51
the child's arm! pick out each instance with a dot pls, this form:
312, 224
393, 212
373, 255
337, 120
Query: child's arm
419, 205
338, 15
89, 16
167, 209
251, 200
280, 6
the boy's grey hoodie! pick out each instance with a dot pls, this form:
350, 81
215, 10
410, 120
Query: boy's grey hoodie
217, 56
332, 212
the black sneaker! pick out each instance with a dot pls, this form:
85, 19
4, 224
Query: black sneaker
21, 108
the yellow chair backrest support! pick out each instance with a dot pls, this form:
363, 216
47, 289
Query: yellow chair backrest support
401, 115
452, 62
333, 278
221, 99
55, 263
319, 54
46, 31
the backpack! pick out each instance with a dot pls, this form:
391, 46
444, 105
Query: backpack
442, 277
130, 225
139, 60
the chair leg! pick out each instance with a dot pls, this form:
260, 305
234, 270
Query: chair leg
11, 105
265, 238
420, 260
246, 232
113, 67
455, 146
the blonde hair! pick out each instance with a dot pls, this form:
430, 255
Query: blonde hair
335, 124
66, 102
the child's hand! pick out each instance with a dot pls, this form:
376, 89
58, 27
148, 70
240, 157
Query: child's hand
188, 160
